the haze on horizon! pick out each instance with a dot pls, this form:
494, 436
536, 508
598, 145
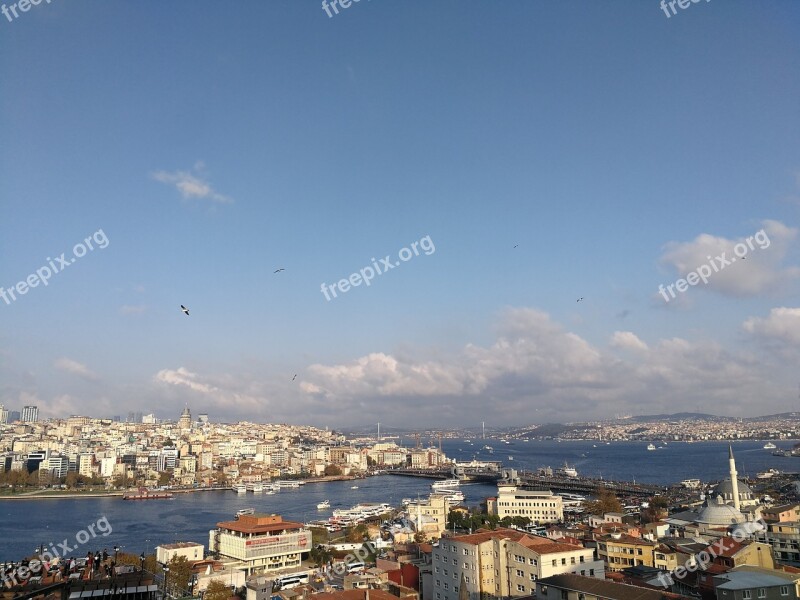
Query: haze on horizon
550, 152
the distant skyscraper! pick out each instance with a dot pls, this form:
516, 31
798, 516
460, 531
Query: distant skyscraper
3, 414
13, 416
30, 414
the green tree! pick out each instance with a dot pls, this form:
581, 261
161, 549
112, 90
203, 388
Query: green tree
164, 478
217, 590
332, 470
606, 502
357, 533
180, 572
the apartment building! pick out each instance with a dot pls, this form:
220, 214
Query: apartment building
503, 562
540, 506
782, 514
784, 537
261, 543
619, 551
430, 516
751, 583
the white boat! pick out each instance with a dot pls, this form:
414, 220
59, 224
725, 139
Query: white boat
446, 484
510, 458
455, 497
287, 484
255, 487
768, 473
240, 488
323, 505
651, 447
245, 511
769, 446
353, 487
568, 471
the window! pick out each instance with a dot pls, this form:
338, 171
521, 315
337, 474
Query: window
438, 583
520, 587
583, 571
555, 562
438, 595
436, 570
572, 560
466, 579
444, 572
591, 572
532, 561
564, 595
466, 566
544, 590
455, 588
762, 592
533, 576
520, 573
466, 552
563, 561
746, 594
784, 590
446, 585
455, 562
581, 558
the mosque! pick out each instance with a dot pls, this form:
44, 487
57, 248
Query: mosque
729, 504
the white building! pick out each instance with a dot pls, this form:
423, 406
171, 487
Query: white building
504, 562
191, 550
540, 506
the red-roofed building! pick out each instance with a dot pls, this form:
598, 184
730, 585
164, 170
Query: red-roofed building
503, 562
262, 543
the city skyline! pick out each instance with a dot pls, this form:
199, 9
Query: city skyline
199, 199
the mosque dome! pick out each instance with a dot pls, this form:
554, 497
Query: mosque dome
716, 512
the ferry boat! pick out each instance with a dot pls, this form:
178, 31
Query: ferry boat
769, 446
323, 505
245, 511
691, 484
288, 484
256, 487
651, 447
353, 487
145, 494
240, 488
568, 471
768, 473
456, 496
446, 484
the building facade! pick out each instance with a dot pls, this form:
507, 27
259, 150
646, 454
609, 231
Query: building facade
540, 506
262, 543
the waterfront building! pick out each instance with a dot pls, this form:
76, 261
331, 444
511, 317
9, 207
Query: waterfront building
503, 562
540, 506
430, 516
261, 543
191, 550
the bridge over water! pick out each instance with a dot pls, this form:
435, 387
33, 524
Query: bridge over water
557, 484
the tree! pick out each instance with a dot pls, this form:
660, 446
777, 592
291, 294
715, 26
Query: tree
357, 533
180, 572
217, 590
332, 470
320, 555
117, 482
72, 479
164, 478
606, 502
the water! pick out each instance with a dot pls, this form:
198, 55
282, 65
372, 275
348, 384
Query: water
138, 526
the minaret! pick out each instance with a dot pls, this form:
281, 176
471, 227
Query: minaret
734, 481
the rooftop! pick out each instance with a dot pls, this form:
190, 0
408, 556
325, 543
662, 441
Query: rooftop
604, 589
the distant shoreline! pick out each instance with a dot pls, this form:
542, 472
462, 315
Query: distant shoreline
64, 496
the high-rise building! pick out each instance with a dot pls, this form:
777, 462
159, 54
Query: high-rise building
3, 414
30, 414
13, 416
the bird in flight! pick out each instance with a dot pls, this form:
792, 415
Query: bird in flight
185, 310
579, 299
295, 377
515, 245
278, 270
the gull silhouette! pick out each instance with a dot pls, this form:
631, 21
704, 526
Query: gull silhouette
185, 310
579, 299
295, 377
278, 270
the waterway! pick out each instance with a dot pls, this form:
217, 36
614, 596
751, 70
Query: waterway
138, 526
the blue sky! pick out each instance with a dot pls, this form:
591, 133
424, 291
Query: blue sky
213, 143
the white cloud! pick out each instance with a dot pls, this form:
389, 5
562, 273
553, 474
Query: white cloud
761, 270
782, 324
191, 185
75, 368
627, 340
